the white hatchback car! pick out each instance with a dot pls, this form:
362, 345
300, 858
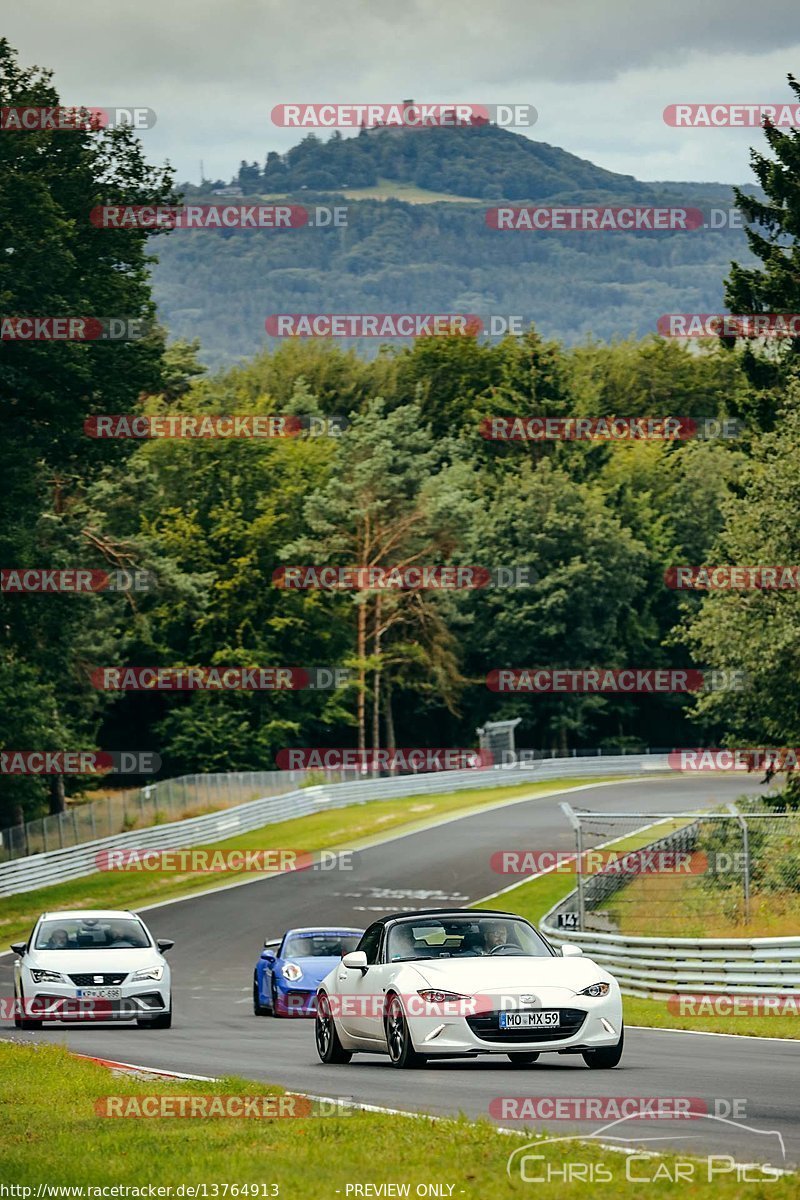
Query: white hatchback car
101, 965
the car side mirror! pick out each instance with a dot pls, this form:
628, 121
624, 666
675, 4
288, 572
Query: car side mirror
568, 950
268, 957
19, 948
164, 944
356, 960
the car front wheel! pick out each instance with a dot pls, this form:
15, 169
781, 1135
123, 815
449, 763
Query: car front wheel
398, 1038
162, 1022
329, 1048
258, 1008
606, 1057
20, 1021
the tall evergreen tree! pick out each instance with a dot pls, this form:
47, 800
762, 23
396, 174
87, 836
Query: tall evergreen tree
774, 239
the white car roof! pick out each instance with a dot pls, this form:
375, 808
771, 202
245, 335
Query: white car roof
62, 913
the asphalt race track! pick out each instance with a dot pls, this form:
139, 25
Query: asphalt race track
219, 936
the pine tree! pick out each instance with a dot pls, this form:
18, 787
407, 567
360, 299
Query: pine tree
774, 239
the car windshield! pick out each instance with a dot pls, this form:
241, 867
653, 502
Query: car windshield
91, 933
464, 937
320, 945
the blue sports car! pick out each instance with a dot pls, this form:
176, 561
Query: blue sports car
290, 969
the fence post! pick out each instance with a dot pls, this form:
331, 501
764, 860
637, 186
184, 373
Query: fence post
746, 855
575, 822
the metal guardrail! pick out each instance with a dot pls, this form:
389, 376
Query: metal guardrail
74, 862
656, 967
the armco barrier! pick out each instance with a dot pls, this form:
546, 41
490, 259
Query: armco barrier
659, 966
58, 866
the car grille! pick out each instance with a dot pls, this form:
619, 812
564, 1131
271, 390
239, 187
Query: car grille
300, 1002
486, 1026
98, 979
101, 1010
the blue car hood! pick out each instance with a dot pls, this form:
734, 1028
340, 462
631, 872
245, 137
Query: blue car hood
314, 969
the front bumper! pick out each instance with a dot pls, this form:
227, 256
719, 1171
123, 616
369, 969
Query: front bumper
62, 1002
585, 1024
296, 1002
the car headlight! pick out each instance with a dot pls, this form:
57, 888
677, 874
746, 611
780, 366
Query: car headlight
148, 973
292, 972
47, 977
437, 996
597, 989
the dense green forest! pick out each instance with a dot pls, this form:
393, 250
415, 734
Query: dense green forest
411, 479
395, 256
398, 256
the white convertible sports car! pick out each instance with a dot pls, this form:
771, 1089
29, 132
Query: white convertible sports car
101, 965
460, 982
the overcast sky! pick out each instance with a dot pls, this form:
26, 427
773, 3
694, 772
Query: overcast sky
599, 72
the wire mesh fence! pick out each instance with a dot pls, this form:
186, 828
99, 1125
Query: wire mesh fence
726, 873
154, 804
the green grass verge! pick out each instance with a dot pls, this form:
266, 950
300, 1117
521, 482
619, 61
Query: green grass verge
533, 898
655, 1014
50, 1133
683, 906
328, 829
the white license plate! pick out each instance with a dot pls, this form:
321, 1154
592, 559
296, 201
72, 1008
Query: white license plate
100, 993
530, 1020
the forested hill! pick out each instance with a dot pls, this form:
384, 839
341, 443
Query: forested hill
483, 162
417, 240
